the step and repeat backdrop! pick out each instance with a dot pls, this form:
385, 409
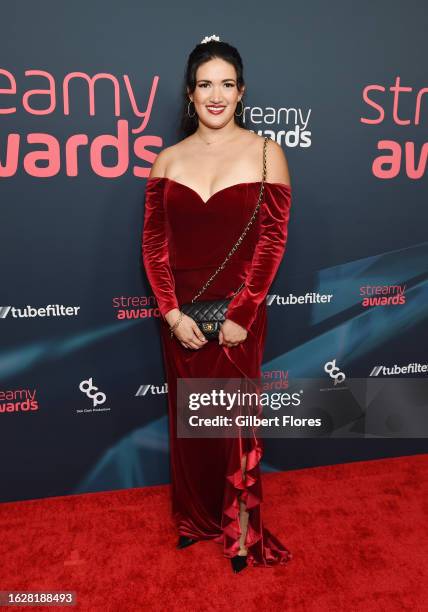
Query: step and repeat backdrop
89, 95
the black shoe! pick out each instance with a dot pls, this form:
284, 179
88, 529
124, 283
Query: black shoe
239, 562
184, 541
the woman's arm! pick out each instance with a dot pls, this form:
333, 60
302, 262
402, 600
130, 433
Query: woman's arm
274, 212
154, 241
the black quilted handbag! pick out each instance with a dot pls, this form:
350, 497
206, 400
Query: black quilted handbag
208, 314
211, 314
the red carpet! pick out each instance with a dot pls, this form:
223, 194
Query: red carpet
358, 533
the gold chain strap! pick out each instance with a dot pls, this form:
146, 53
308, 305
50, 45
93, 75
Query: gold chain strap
236, 245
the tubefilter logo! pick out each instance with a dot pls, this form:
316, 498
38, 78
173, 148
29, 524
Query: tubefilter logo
310, 297
411, 368
30, 312
151, 389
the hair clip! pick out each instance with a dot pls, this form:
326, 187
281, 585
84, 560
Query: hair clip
208, 38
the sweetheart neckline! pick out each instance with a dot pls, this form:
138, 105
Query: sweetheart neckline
153, 178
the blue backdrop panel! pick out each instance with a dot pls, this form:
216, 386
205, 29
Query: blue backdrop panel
89, 94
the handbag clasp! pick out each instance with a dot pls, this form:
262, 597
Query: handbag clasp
208, 327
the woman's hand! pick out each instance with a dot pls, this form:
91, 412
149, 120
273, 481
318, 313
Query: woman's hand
187, 332
232, 334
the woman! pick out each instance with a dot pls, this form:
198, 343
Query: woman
200, 195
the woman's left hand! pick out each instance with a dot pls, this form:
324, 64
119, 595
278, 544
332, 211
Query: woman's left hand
231, 334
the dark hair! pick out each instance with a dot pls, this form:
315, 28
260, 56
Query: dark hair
203, 52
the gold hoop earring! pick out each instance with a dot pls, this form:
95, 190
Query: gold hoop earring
242, 105
190, 101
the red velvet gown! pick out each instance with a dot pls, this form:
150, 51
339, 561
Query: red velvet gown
184, 241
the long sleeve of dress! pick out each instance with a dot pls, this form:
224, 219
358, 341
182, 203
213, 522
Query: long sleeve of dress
155, 248
275, 212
